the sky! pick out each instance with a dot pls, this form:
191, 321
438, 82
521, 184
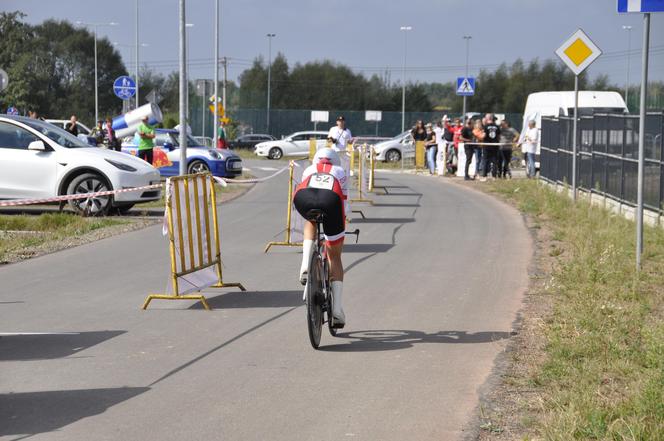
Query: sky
366, 35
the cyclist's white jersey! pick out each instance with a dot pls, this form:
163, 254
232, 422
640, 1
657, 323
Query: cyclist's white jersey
334, 170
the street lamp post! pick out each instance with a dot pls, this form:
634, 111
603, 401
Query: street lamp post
467, 38
95, 26
188, 25
269, 76
629, 49
405, 30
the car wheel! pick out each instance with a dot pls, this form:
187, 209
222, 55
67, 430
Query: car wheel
275, 153
393, 156
197, 166
89, 183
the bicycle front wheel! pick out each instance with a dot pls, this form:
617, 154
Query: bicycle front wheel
315, 299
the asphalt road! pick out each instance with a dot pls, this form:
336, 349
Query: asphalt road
431, 294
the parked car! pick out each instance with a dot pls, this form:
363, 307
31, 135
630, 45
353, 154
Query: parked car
541, 104
84, 132
223, 163
205, 141
392, 149
249, 141
296, 144
40, 160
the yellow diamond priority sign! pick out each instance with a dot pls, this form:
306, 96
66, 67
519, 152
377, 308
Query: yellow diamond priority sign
578, 52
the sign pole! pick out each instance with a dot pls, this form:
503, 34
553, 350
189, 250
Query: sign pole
183, 91
642, 134
574, 134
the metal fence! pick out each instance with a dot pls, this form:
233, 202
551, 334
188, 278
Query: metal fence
607, 161
284, 122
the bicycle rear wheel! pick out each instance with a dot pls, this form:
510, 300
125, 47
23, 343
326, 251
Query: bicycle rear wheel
315, 299
328, 304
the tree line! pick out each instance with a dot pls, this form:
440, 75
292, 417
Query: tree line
51, 70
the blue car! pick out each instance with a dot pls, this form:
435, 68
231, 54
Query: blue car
223, 163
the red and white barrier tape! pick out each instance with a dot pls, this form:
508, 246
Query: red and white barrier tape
222, 181
70, 197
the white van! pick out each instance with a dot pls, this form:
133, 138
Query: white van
541, 104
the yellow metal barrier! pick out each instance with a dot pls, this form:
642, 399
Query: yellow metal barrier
419, 154
289, 215
312, 148
191, 212
361, 174
372, 168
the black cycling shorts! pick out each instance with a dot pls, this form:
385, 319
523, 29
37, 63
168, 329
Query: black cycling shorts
329, 202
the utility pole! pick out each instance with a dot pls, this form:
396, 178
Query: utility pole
223, 93
629, 50
183, 90
269, 76
136, 60
467, 38
216, 74
642, 138
95, 26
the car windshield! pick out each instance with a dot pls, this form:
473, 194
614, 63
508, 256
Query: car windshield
175, 139
56, 134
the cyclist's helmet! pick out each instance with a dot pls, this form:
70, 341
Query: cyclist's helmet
327, 155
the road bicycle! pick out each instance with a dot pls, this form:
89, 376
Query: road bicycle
318, 290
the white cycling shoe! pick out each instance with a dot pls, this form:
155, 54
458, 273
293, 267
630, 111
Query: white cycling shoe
337, 310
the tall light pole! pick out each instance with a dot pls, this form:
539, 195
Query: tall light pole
187, 25
269, 76
95, 26
629, 49
136, 59
183, 89
216, 75
467, 38
405, 30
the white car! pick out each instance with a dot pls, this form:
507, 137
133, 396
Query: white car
40, 160
392, 149
84, 131
296, 144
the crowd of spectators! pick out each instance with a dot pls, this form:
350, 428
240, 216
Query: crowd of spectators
486, 140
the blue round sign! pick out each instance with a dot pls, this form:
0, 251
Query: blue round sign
124, 87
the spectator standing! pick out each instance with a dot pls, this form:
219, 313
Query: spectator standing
448, 139
339, 135
528, 142
221, 136
99, 133
507, 138
491, 139
110, 139
418, 133
431, 149
466, 136
146, 142
72, 126
439, 131
478, 139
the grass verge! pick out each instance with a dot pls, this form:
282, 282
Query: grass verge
600, 375
22, 232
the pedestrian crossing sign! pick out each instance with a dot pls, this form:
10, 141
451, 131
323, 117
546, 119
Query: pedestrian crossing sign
465, 86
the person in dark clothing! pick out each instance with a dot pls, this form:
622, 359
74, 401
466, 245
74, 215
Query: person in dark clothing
419, 133
491, 136
72, 126
508, 137
466, 137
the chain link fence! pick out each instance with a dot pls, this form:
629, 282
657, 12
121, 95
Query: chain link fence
608, 147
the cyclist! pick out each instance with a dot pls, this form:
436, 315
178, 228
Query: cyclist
324, 188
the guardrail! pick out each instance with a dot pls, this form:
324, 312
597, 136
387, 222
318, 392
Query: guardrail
608, 156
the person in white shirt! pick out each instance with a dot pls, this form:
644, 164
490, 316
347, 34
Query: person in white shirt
440, 161
529, 141
339, 135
